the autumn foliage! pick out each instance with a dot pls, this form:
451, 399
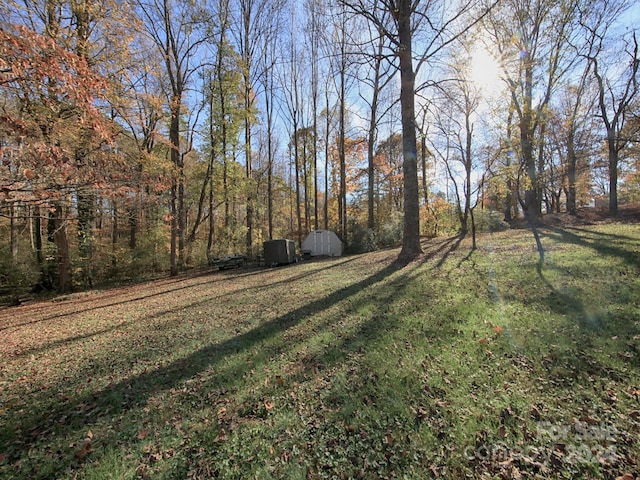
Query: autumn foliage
54, 136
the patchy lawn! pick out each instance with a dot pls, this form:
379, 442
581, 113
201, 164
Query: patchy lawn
460, 365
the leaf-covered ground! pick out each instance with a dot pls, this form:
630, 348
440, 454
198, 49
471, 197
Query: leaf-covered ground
460, 365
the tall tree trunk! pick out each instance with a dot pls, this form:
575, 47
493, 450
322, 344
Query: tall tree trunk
531, 198
248, 105
37, 235
212, 223
373, 124
86, 243
572, 162
63, 260
613, 173
175, 255
425, 183
342, 193
132, 213
269, 94
114, 235
327, 138
173, 242
314, 101
411, 234
296, 160
86, 195
13, 235
305, 177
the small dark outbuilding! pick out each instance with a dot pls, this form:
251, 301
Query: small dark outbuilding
279, 252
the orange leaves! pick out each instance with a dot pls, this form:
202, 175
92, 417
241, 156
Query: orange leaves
626, 476
63, 118
497, 333
633, 391
36, 65
85, 446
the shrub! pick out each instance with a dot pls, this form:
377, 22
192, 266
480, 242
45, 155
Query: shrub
362, 239
390, 231
490, 221
15, 278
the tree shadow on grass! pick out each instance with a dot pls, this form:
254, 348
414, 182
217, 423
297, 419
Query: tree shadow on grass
350, 382
72, 418
52, 344
601, 243
443, 250
571, 301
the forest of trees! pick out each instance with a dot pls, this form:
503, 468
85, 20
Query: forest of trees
149, 136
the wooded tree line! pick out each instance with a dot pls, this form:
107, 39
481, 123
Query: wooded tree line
154, 135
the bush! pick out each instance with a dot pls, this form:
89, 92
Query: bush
15, 278
390, 232
490, 221
364, 239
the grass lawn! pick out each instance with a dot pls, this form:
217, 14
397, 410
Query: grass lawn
460, 365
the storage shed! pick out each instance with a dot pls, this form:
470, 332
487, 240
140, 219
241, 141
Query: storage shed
322, 242
279, 252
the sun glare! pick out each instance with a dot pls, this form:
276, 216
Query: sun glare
485, 72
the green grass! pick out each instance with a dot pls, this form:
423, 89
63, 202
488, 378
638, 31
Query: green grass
460, 365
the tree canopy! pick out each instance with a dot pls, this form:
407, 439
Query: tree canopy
138, 136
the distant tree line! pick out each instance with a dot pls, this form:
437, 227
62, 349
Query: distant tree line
144, 136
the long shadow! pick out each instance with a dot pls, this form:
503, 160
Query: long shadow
602, 247
203, 301
612, 236
448, 247
567, 301
51, 306
321, 266
120, 397
167, 291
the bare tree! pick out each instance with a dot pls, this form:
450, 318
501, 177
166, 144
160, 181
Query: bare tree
533, 40
617, 87
291, 79
374, 76
455, 122
437, 25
